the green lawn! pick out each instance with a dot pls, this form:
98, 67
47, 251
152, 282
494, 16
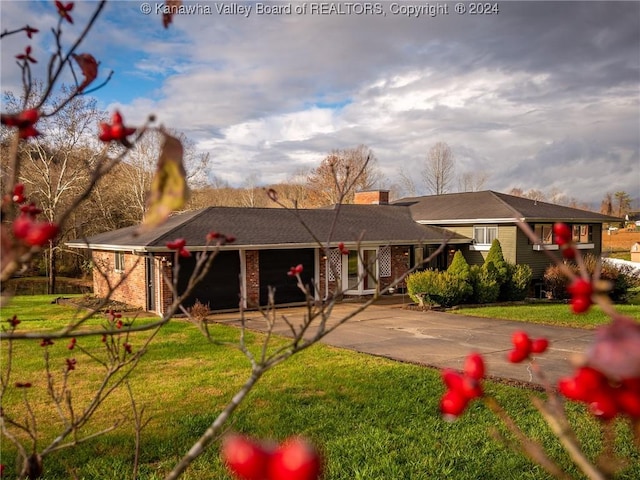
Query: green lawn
549, 314
372, 417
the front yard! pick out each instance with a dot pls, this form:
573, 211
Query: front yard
549, 314
373, 418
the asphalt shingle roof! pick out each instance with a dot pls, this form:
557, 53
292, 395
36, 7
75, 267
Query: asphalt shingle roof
474, 206
270, 227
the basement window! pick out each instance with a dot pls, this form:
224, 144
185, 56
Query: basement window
119, 262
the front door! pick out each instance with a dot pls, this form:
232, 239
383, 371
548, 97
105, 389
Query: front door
361, 271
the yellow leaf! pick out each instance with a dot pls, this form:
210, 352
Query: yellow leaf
169, 186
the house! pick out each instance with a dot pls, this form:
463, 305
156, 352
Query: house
384, 241
486, 215
268, 242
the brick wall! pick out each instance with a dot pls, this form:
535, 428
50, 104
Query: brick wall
163, 289
399, 266
131, 291
253, 277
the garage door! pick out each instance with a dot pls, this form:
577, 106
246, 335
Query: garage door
274, 265
220, 289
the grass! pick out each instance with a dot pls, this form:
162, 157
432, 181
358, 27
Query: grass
373, 418
549, 314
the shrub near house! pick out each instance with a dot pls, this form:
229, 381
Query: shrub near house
495, 280
621, 279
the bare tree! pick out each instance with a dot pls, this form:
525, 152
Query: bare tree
532, 193
606, 206
341, 174
472, 181
140, 165
55, 167
251, 194
408, 185
439, 169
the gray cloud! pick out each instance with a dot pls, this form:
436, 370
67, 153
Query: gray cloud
542, 95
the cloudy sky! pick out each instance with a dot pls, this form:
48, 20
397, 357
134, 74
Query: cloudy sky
541, 95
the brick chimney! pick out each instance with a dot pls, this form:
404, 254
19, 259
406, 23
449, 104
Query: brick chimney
372, 197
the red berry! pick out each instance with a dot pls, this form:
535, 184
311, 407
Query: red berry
517, 355
116, 118
570, 389
21, 226
562, 233
177, 244
569, 253
521, 341
603, 405
580, 288
297, 270
632, 384
539, 345
29, 116
40, 233
628, 401
453, 380
471, 388
474, 366
453, 403
247, 459
117, 131
580, 304
589, 381
296, 459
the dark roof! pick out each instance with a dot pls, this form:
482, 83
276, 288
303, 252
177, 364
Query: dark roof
490, 206
273, 228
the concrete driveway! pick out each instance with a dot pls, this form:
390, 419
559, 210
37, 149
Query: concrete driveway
438, 339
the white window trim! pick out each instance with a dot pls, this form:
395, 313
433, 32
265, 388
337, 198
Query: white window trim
482, 247
580, 246
115, 262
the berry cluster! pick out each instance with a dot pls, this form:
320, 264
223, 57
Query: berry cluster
23, 121
564, 239
115, 131
295, 271
606, 399
462, 387
179, 245
343, 249
581, 291
247, 459
220, 238
26, 227
523, 346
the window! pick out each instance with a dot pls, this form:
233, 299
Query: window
582, 234
484, 235
544, 231
119, 262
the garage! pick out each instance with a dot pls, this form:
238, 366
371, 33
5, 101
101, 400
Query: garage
220, 289
274, 266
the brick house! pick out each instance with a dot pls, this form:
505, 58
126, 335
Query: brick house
383, 241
